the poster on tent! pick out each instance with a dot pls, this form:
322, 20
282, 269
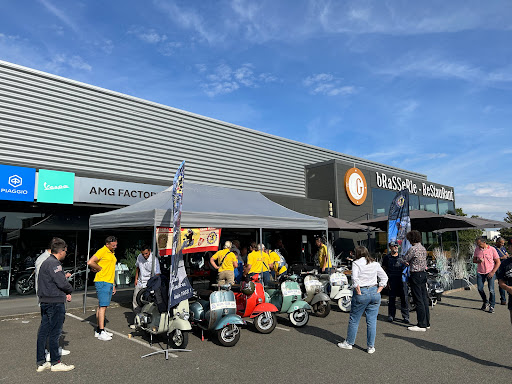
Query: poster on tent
192, 240
399, 221
179, 286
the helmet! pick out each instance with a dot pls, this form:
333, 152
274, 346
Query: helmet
247, 288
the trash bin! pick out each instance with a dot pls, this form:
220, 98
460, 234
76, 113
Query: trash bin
122, 275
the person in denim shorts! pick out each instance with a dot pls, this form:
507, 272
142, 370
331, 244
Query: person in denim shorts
104, 264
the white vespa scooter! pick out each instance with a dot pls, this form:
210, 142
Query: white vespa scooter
341, 291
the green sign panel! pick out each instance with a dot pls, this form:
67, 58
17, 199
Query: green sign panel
55, 187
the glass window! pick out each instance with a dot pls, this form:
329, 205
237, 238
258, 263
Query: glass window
414, 202
446, 206
381, 201
428, 204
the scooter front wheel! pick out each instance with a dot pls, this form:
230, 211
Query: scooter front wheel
345, 303
229, 335
265, 322
322, 309
299, 318
178, 339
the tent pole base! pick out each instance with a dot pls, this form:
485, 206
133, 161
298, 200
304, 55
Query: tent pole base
166, 352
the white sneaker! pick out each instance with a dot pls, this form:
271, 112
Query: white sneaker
62, 351
96, 334
415, 328
43, 367
104, 336
371, 350
61, 367
133, 326
345, 345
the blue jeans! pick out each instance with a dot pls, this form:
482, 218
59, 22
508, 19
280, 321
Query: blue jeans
368, 302
480, 280
52, 319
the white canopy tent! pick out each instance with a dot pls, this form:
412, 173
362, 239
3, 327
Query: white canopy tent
206, 206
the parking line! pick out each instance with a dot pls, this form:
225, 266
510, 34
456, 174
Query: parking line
120, 334
282, 329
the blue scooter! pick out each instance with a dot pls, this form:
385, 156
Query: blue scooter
216, 311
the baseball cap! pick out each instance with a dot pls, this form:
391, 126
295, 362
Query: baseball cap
393, 244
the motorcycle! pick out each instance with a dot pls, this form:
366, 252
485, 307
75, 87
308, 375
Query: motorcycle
25, 281
434, 289
216, 311
287, 297
316, 295
156, 320
251, 303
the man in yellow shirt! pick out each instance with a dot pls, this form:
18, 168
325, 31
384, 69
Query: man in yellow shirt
258, 263
104, 264
276, 266
324, 258
227, 262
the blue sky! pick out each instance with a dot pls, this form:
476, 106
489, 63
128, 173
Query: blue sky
425, 86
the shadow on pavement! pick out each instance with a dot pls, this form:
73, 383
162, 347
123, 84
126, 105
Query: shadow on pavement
428, 345
462, 298
457, 306
324, 334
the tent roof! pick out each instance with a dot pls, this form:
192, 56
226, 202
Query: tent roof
208, 206
344, 225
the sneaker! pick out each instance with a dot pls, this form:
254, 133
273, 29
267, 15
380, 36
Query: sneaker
43, 367
61, 367
133, 326
406, 321
345, 345
371, 350
491, 310
503, 302
415, 328
62, 351
391, 319
485, 307
104, 336
96, 334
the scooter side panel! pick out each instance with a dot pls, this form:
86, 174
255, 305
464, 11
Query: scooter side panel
264, 307
299, 304
343, 292
320, 297
229, 319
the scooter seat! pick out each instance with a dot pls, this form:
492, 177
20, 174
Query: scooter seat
204, 293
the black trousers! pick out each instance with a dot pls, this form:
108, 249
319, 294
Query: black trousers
418, 282
397, 288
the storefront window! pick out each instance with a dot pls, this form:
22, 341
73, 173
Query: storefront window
428, 204
414, 202
446, 207
381, 201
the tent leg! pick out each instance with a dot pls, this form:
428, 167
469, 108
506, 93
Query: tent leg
87, 269
153, 262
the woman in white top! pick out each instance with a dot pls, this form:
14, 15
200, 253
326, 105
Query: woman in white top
368, 280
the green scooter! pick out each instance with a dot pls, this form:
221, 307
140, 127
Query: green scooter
286, 295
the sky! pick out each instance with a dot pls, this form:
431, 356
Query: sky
424, 86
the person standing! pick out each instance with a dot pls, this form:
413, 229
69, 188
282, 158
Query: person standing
104, 264
393, 265
258, 262
368, 280
416, 258
53, 292
488, 262
226, 264
143, 269
324, 258
503, 254
504, 276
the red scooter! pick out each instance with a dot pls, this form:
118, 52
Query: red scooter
251, 302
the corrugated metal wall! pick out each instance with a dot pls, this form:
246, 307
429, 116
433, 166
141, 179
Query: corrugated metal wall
50, 122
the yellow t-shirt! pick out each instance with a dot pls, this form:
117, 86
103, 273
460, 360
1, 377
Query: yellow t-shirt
259, 261
227, 261
274, 258
107, 261
323, 255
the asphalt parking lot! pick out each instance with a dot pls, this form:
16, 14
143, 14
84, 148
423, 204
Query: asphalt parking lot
463, 345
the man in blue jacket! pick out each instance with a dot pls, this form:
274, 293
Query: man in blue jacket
53, 292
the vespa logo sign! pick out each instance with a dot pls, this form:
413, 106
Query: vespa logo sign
355, 186
55, 187
15, 181
48, 187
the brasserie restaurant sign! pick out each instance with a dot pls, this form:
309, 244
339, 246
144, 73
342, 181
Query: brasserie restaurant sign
397, 183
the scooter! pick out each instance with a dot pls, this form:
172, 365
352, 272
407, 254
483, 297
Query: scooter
216, 311
316, 296
340, 290
251, 303
434, 288
155, 319
287, 297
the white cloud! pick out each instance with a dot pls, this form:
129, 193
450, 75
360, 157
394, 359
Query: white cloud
223, 79
60, 14
488, 207
149, 36
169, 48
490, 189
61, 62
327, 84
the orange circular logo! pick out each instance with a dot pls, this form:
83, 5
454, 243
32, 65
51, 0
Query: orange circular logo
355, 186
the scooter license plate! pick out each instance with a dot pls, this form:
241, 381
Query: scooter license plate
292, 292
223, 305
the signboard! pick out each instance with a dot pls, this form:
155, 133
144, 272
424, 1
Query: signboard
399, 221
101, 191
355, 186
17, 183
193, 240
397, 183
55, 187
